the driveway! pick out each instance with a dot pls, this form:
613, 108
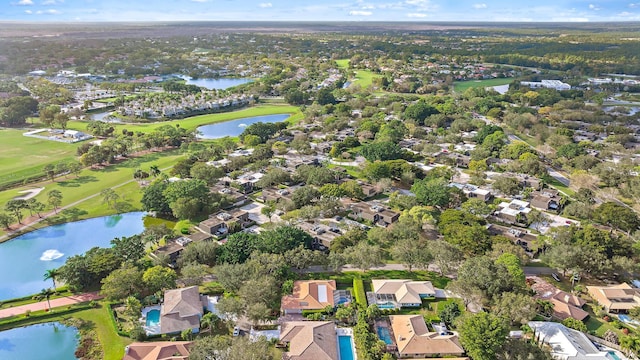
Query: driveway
254, 209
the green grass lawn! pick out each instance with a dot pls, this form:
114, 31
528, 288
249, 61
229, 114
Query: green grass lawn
193, 122
462, 86
343, 63
22, 157
91, 182
112, 343
364, 78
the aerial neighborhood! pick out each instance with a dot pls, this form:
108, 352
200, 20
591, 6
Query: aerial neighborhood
322, 192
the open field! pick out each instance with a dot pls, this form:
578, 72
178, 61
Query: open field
22, 157
462, 86
364, 78
191, 123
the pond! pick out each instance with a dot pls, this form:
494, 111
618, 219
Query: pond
236, 127
219, 83
25, 259
51, 340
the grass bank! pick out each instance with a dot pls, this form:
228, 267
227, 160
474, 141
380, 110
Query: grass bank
462, 86
191, 123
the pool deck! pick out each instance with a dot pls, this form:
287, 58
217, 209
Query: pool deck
150, 330
42, 305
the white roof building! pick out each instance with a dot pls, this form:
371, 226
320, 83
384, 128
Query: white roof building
565, 343
549, 84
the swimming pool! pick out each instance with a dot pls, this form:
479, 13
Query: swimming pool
614, 356
153, 317
384, 335
346, 347
386, 306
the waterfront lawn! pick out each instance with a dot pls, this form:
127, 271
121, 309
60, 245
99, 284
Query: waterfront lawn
91, 182
191, 123
23, 157
462, 86
112, 343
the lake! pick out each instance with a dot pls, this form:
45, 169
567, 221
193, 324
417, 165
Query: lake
236, 127
25, 259
37, 342
218, 84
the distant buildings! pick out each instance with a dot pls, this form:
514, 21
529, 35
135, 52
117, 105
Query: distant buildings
549, 84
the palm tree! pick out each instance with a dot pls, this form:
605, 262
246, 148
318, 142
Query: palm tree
208, 321
52, 274
110, 197
46, 293
155, 171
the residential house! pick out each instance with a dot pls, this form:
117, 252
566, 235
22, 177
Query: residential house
401, 293
174, 248
224, 222
158, 350
277, 195
565, 343
182, 309
413, 338
547, 199
565, 305
306, 340
616, 298
513, 212
313, 295
237, 198
368, 189
374, 212
522, 237
322, 234
474, 192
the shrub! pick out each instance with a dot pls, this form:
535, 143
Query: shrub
359, 293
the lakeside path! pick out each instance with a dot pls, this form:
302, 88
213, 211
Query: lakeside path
42, 305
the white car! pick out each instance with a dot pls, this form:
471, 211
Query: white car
236, 331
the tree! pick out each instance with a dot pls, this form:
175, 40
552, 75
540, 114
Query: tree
419, 111
617, 216
207, 173
324, 97
49, 171
153, 198
482, 335
482, 275
449, 313
514, 267
46, 294
201, 252
446, 256
507, 185
574, 324
381, 150
520, 349
154, 170
6, 220
54, 198
193, 273
352, 189
258, 312
516, 308
432, 192
477, 207
305, 195
15, 207
110, 197
129, 248
122, 283
230, 307
53, 275
268, 209
159, 278
364, 256
208, 321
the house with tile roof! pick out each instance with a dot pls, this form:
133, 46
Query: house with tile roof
182, 309
402, 293
158, 350
616, 298
306, 340
413, 338
565, 343
313, 295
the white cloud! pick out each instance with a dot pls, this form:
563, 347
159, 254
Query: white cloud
360, 13
200, 1
417, 15
266, 5
634, 5
52, 2
48, 12
594, 7
25, 2
479, 6
28, 12
367, 7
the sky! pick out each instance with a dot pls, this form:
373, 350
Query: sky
320, 10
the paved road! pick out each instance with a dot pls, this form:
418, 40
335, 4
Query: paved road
528, 270
42, 305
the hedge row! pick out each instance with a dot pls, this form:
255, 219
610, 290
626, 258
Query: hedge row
359, 293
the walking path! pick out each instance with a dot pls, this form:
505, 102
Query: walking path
42, 305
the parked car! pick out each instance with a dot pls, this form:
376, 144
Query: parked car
555, 277
236, 331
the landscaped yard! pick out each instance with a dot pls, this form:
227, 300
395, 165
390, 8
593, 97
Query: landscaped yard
24, 157
462, 86
345, 279
112, 343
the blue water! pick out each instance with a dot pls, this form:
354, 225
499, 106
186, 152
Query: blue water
624, 318
220, 83
236, 127
346, 349
386, 306
384, 335
25, 259
38, 342
153, 317
614, 356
